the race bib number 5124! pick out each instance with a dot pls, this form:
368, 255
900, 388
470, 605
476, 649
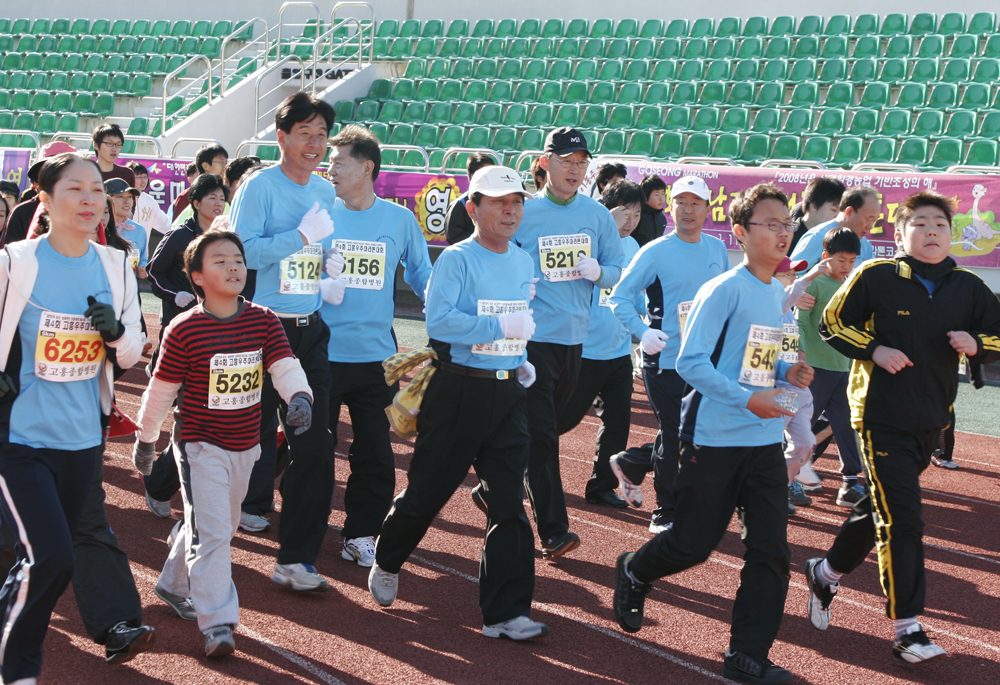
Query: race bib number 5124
761, 356
300, 272
560, 256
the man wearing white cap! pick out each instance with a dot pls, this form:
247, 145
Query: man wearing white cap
670, 270
474, 408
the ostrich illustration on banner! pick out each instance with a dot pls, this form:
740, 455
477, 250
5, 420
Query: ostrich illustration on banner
976, 231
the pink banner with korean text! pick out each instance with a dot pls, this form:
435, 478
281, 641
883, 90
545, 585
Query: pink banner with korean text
167, 180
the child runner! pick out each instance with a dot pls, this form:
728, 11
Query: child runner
218, 352
904, 321
731, 455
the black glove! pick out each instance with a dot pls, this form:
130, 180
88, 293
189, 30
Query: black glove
299, 413
143, 456
7, 386
102, 317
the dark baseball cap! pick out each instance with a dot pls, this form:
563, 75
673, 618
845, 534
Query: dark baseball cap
9, 188
118, 186
565, 141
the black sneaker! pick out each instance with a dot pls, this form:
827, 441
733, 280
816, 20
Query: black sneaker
124, 642
478, 499
850, 494
797, 495
916, 648
820, 596
750, 669
630, 596
560, 545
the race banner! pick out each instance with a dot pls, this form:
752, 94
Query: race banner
167, 180
14, 165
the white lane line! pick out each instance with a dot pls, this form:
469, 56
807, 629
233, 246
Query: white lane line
966, 499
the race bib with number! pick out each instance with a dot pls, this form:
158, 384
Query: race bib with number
560, 256
235, 380
133, 258
300, 272
790, 344
504, 347
68, 348
364, 263
605, 299
963, 365
761, 355
683, 309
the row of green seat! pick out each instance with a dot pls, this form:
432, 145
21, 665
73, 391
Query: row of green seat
840, 24
156, 65
122, 27
33, 49
85, 104
122, 85
45, 122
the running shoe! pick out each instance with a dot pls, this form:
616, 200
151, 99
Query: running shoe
630, 596
657, 526
124, 642
915, 647
478, 499
811, 481
820, 596
361, 550
750, 669
219, 641
850, 494
181, 605
300, 577
943, 463
383, 585
631, 492
252, 523
520, 628
797, 495
161, 509
560, 545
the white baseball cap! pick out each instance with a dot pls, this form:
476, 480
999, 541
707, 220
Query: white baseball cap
497, 181
692, 184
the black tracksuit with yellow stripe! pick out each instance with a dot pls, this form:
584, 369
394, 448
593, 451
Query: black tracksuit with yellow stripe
898, 416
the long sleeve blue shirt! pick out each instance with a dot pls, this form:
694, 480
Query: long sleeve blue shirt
554, 236
810, 246
469, 289
267, 210
372, 241
671, 271
606, 337
136, 237
730, 349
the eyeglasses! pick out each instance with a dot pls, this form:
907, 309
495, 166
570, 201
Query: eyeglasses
113, 146
582, 166
775, 226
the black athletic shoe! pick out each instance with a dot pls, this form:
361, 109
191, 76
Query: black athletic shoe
630, 596
560, 545
607, 498
750, 669
478, 499
124, 642
916, 648
820, 596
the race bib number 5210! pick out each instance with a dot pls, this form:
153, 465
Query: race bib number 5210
68, 348
560, 256
761, 356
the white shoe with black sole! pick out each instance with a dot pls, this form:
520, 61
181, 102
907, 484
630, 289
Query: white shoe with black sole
916, 648
361, 550
520, 628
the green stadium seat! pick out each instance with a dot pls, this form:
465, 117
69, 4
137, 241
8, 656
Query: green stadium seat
741, 94
894, 23
221, 29
543, 47
80, 27
25, 122
576, 28
925, 70
410, 29
551, 91
717, 70
964, 45
120, 85
976, 96
678, 118
698, 145
817, 149
656, 93
804, 95
961, 124
391, 112
501, 91
735, 120
99, 81
864, 123
203, 28
990, 126
706, 119
18, 26
399, 48
83, 103
987, 71
439, 113
388, 28
895, 123
451, 90
541, 116
504, 139
806, 46
834, 46
483, 28
865, 24
162, 28
893, 70
839, 95
457, 28
923, 23
181, 28
696, 48
691, 70
516, 115
402, 134
141, 27
642, 49
774, 70
833, 70
425, 47
101, 27
722, 48
713, 93
475, 91
510, 69
41, 101
982, 153
831, 122
866, 47
664, 70
478, 137
636, 70
592, 138
46, 123
427, 90
68, 123
847, 152
756, 148
612, 70
942, 96
863, 70
576, 92
992, 47
875, 95
947, 153
464, 114
518, 47
912, 151
928, 124
568, 115
612, 143
952, 24
750, 48
489, 114
900, 47
595, 116
778, 47
41, 26
472, 47
629, 93
529, 28
798, 121
676, 28
31, 61
627, 28
932, 45
786, 147
78, 82
685, 93
838, 25
114, 63
652, 28
703, 28
640, 143
881, 150
37, 81
87, 44
592, 48
602, 28
415, 68
648, 117
59, 80
726, 145
426, 136
983, 23
462, 68
343, 110
767, 120
669, 145
770, 95
415, 113
728, 27
367, 110
912, 95
746, 70
210, 47
568, 47
67, 44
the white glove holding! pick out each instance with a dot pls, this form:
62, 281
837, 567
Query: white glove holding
519, 325
526, 374
183, 299
653, 341
332, 290
533, 281
589, 268
333, 262
315, 225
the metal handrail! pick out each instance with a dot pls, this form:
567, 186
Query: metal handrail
320, 39
179, 70
268, 70
361, 32
972, 169
721, 161
24, 132
179, 141
265, 37
778, 162
625, 158
255, 143
875, 166
406, 148
455, 151
319, 20
524, 155
65, 135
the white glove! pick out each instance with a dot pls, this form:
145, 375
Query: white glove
333, 262
589, 268
315, 225
183, 299
519, 325
332, 290
533, 281
653, 341
526, 374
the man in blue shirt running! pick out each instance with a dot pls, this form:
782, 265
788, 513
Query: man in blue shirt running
860, 208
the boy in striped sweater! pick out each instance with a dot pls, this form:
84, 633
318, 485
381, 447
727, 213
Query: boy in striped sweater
216, 353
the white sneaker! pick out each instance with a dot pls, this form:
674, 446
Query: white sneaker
361, 550
520, 628
25, 681
301, 577
811, 482
657, 528
161, 509
252, 523
383, 585
915, 647
631, 492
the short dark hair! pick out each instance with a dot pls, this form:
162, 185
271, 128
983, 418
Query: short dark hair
821, 190
192, 169
621, 192
207, 155
650, 184
102, 131
855, 197
842, 240
237, 168
742, 206
194, 255
301, 107
137, 169
608, 172
477, 161
364, 145
924, 198
205, 184
55, 167
537, 170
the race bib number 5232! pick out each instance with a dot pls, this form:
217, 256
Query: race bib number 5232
560, 256
300, 272
234, 380
68, 348
761, 356
504, 347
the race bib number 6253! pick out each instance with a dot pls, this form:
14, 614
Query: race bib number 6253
68, 348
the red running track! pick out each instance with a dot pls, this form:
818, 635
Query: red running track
431, 634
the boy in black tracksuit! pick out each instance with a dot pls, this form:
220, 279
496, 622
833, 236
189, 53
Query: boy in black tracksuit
904, 321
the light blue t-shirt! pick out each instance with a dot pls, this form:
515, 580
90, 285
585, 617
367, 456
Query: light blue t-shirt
562, 307
468, 290
810, 246
58, 414
136, 237
267, 210
606, 337
372, 241
671, 271
733, 333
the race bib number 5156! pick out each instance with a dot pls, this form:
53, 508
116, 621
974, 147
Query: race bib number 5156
560, 256
68, 348
761, 356
364, 263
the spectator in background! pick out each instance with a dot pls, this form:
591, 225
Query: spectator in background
652, 223
108, 142
10, 193
123, 198
210, 159
457, 224
192, 172
22, 217
147, 212
238, 169
538, 174
606, 173
820, 203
